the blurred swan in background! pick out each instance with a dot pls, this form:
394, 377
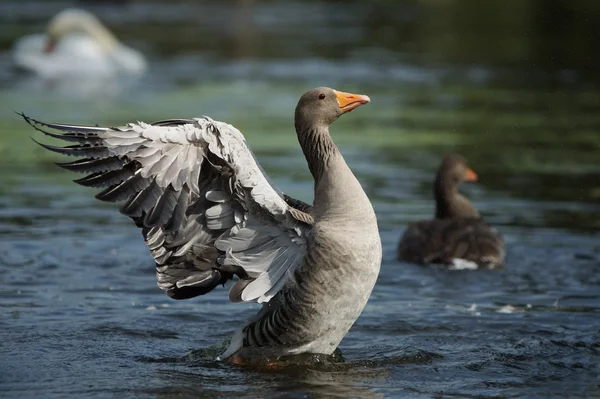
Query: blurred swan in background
76, 44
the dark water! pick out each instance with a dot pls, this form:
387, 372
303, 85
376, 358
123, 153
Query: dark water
511, 87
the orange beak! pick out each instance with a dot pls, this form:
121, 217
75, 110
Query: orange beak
471, 175
349, 101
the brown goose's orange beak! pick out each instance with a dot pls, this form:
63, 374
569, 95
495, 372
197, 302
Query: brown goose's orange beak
471, 175
349, 101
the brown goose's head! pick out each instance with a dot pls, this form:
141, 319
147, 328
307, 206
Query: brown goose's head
449, 203
321, 106
453, 171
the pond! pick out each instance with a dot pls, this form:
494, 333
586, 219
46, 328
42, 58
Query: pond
512, 86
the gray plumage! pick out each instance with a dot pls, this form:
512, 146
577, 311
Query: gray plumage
209, 214
457, 237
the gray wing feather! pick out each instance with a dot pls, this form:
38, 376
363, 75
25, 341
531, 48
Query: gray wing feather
207, 210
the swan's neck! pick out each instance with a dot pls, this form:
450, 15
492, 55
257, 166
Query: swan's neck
102, 36
86, 25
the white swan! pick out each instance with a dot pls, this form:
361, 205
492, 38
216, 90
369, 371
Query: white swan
76, 45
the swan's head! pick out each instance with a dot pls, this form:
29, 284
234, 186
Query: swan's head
73, 20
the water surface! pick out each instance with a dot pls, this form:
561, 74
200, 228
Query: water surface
82, 316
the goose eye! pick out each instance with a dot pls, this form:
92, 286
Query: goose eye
321, 96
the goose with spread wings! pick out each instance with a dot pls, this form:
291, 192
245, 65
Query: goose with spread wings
209, 214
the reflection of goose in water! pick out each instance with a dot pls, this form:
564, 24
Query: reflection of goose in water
209, 214
76, 45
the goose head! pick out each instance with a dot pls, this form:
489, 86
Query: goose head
322, 106
453, 171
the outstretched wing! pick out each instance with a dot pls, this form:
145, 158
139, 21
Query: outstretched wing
206, 208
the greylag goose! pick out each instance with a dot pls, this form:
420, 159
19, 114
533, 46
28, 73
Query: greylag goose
209, 214
457, 237
76, 44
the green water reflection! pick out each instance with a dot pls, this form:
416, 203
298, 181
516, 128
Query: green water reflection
511, 85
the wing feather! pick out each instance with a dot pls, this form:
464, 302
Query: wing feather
110, 178
207, 210
90, 165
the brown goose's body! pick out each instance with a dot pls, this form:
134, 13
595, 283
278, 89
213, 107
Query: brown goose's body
457, 236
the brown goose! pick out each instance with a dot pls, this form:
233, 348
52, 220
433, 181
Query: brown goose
209, 214
457, 237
